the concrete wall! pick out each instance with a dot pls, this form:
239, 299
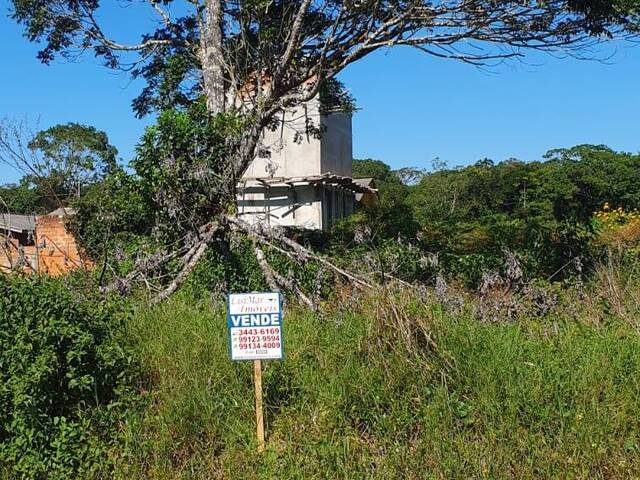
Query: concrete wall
292, 153
304, 206
288, 157
306, 155
336, 145
281, 206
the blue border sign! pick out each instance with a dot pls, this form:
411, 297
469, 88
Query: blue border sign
254, 321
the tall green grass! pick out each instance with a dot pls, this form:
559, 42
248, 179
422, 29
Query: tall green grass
387, 388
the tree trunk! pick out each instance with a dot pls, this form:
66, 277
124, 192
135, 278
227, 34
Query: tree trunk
212, 57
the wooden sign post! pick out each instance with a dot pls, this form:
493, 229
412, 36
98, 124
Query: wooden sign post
254, 321
257, 379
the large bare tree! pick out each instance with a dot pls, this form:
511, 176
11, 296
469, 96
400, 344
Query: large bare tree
253, 59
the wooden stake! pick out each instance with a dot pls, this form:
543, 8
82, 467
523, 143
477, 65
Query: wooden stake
257, 379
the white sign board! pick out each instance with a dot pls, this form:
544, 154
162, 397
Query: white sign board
255, 326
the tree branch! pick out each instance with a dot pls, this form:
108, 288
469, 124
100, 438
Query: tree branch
190, 261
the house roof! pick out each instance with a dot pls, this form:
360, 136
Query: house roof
27, 223
365, 182
347, 183
17, 223
62, 212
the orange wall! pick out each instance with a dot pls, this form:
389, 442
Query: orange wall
56, 252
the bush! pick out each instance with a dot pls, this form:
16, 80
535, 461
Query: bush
62, 373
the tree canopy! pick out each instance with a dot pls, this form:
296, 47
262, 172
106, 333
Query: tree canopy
74, 155
281, 51
252, 60
57, 163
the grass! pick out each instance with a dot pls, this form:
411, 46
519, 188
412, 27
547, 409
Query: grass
387, 388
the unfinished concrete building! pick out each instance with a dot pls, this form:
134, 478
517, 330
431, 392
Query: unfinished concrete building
302, 176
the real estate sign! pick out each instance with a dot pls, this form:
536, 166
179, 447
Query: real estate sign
255, 326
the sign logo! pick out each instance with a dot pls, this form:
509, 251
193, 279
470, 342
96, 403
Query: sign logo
254, 321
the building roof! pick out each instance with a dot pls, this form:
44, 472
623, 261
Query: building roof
27, 223
347, 183
365, 182
62, 212
17, 223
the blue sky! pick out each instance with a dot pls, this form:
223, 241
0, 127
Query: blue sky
412, 107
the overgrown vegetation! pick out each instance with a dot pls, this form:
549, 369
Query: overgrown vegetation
397, 384
537, 381
65, 378
499, 338
460, 359
544, 212
519, 379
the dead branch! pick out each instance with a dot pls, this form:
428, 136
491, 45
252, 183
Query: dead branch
308, 255
190, 261
277, 281
144, 267
295, 251
267, 271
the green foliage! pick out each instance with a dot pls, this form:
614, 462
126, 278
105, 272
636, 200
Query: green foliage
24, 198
376, 169
76, 148
111, 215
541, 209
169, 76
66, 160
72, 157
334, 97
391, 216
233, 268
63, 373
225, 269
468, 216
178, 184
182, 166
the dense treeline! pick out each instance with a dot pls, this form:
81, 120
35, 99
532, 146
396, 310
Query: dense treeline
463, 219
543, 210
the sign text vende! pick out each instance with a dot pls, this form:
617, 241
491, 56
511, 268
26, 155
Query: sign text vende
255, 326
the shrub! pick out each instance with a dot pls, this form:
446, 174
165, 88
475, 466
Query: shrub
617, 228
62, 373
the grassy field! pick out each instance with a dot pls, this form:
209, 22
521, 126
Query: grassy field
388, 387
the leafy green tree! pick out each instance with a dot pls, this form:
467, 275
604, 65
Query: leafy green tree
181, 169
112, 215
390, 216
57, 163
252, 60
590, 175
541, 209
23, 198
72, 157
170, 191
376, 169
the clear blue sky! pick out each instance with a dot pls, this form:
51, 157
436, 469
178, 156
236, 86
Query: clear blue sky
413, 107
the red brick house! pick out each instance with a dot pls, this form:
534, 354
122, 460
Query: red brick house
39, 243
